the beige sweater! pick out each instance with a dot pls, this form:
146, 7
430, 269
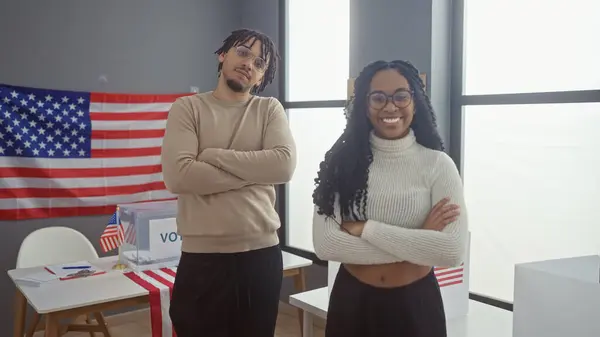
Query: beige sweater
223, 159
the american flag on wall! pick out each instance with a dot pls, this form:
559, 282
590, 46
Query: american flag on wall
449, 276
70, 153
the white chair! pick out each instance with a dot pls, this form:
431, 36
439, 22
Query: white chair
55, 245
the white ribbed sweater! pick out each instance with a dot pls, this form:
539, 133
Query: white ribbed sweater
405, 181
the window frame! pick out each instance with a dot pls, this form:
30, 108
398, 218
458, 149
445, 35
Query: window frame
458, 101
283, 190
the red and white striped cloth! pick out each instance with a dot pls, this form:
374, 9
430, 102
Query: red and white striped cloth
159, 284
449, 276
70, 153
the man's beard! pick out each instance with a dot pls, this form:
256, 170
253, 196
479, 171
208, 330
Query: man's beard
236, 86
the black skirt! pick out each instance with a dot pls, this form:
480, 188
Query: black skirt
357, 309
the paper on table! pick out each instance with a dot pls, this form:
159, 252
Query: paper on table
35, 279
60, 271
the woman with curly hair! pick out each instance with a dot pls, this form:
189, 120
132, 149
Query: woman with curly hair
389, 206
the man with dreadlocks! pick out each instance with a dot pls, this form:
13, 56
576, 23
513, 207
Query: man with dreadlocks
223, 152
389, 206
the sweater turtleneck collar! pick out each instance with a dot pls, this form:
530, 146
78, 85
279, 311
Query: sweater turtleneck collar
393, 145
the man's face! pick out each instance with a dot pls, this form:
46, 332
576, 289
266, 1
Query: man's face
243, 66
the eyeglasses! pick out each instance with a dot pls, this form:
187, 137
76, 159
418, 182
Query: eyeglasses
379, 99
244, 52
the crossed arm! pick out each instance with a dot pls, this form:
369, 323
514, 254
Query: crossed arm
332, 243
274, 164
445, 248
186, 170
381, 243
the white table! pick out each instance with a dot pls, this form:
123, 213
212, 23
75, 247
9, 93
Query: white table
62, 299
483, 320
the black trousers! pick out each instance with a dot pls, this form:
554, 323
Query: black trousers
227, 295
357, 309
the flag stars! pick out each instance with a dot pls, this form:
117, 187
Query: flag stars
44, 124
2, 150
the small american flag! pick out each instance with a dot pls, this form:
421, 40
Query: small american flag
69, 153
113, 235
449, 276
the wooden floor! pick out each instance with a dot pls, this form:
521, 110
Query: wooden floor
137, 324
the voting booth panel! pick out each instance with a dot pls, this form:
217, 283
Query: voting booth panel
454, 285
151, 239
557, 298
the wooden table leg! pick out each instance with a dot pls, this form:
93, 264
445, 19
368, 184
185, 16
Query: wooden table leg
300, 285
308, 326
52, 326
19, 314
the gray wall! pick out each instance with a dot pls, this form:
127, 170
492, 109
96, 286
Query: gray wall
140, 46
71, 45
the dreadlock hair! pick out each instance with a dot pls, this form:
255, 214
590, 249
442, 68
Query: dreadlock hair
345, 169
268, 52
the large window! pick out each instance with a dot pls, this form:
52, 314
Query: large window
316, 61
532, 184
315, 131
318, 50
518, 46
528, 115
